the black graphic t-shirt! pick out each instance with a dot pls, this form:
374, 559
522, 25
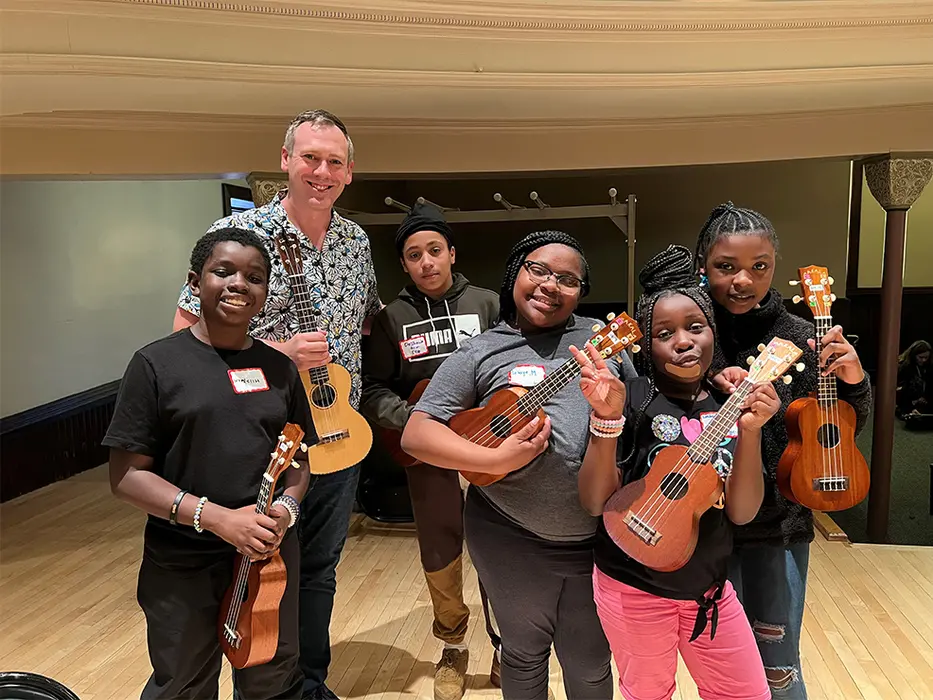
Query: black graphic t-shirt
210, 420
665, 423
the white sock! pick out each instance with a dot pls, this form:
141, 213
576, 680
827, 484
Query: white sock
458, 647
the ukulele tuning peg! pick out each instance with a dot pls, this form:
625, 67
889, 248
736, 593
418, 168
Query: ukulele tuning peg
281, 460
794, 283
595, 327
762, 347
800, 366
832, 281
636, 348
304, 447
797, 298
610, 316
787, 379
832, 297
296, 465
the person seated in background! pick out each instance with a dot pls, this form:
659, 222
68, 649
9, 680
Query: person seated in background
913, 380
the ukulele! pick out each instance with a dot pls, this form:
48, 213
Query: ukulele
248, 625
392, 439
344, 436
511, 409
655, 520
821, 468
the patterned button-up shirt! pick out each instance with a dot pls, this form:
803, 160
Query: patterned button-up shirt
341, 280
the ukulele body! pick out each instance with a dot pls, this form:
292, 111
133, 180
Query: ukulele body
392, 439
658, 531
258, 621
813, 475
345, 436
491, 425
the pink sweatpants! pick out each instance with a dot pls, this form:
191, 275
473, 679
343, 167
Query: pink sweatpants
645, 632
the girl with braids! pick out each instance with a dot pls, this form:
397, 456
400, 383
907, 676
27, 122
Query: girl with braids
648, 615
735, 257
531, 542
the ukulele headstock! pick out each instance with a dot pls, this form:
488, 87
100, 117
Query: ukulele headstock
288, 444
775, 359
817, 284
290, 252
619, 334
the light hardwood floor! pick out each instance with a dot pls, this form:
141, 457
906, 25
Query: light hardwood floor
69, 556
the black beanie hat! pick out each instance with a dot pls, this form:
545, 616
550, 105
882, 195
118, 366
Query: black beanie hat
423, 217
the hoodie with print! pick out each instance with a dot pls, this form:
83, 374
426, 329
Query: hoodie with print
410, 339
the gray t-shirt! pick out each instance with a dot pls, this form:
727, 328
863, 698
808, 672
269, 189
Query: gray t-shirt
541, 497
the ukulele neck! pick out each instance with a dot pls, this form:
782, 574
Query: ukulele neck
701, 451
544, 391
826, 386
307, 319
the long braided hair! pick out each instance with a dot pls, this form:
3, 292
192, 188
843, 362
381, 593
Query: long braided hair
520, 251
667, 274
730, 220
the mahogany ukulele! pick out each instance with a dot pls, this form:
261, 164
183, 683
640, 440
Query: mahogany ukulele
511, 409
655, 520
392, 439
344, 436
821, 468
248, 625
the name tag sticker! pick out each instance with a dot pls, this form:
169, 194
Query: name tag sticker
526, 375
246, 381
707, 417
416, 346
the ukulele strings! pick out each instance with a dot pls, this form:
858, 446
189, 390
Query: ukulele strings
829, 392
658, 505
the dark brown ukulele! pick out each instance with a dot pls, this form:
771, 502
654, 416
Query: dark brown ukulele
392, 439
511, 409
821, 468
655, 520
249, 621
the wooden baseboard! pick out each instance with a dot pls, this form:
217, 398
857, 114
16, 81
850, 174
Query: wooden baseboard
828, 527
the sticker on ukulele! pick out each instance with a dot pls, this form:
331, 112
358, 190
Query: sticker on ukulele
707, 417
247, 381
416, 346
526, 375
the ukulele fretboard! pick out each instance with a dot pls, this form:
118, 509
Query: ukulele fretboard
826, 394
307, 319
701, 451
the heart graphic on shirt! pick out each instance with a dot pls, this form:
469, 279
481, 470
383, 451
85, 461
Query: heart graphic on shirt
691, 428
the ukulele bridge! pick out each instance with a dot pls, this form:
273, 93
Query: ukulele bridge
641, 529
232, 637
831, 483
334, 437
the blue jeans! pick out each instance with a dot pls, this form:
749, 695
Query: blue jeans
771, 583
325, 518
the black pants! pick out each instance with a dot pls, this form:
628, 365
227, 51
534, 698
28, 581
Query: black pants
181, 601
325, 519
541, 592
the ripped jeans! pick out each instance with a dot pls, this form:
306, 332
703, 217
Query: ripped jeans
771, 583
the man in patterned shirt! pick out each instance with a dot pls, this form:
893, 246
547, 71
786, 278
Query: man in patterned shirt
318, 157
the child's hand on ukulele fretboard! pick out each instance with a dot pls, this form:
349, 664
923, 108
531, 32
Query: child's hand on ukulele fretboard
759, 407
604, 390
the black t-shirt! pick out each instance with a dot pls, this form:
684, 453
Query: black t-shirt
210, 419
664, 423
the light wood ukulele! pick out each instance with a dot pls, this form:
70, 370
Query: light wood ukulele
248, 625
821, 468
511, 409
345, 437
655, 520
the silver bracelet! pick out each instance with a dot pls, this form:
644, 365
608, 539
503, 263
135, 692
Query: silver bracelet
291, 505
197, 514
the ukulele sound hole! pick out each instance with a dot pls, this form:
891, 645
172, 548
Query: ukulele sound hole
674, 486
828, 435
501, 427
323, 396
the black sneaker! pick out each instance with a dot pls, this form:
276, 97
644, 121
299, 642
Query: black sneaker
322, 692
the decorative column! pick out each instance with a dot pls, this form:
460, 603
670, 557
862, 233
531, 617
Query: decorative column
265, 186
895, 183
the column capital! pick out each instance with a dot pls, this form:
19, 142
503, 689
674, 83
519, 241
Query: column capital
266, 185
897, 182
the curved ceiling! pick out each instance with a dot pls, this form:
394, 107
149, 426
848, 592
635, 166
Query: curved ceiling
459, 62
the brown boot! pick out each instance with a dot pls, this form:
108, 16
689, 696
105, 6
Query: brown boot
495, 673
450, 674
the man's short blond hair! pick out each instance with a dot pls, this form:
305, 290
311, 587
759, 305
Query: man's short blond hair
316, 118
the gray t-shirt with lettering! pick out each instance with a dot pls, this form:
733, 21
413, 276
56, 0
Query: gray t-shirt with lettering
541, 497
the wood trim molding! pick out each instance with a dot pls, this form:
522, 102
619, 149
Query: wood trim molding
585, 15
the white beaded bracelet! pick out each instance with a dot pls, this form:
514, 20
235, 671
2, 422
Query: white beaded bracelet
606, 427
197, 514
291, 505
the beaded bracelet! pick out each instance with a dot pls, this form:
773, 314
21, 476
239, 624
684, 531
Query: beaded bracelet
605, 427
197, 514
291, 505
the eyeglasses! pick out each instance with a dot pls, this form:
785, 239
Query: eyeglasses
542, 273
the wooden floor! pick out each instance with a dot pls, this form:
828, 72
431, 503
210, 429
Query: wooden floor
69, 556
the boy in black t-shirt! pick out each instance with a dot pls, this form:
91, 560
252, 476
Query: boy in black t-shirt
196, 419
